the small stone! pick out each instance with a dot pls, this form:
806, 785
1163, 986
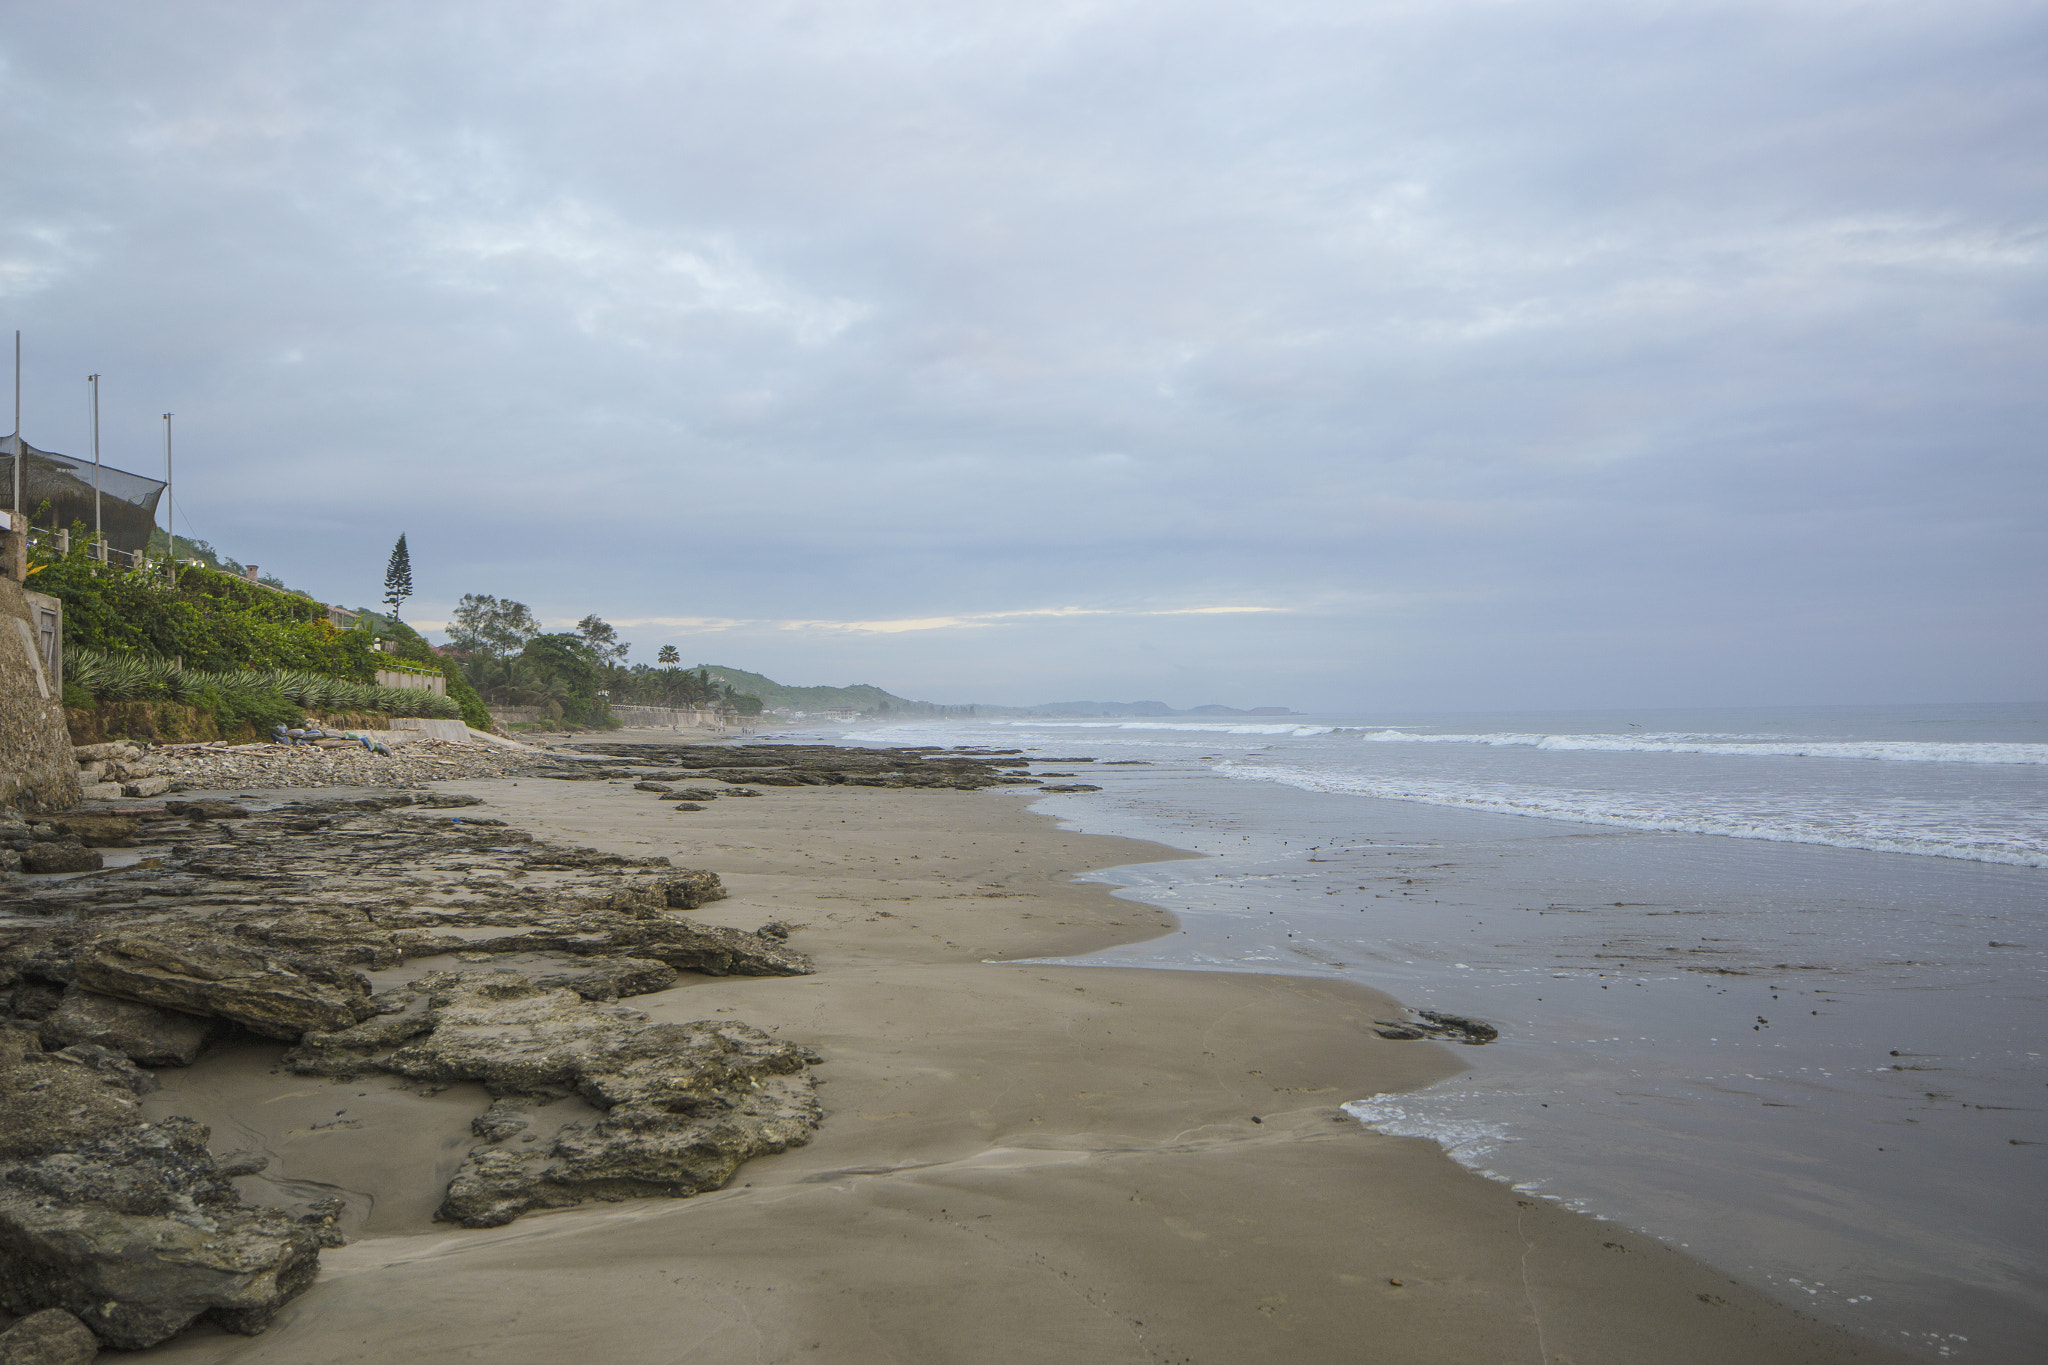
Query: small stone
51, 1337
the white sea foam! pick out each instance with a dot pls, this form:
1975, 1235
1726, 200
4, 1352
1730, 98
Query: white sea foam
1467, 1141
1749, 746
1892, 828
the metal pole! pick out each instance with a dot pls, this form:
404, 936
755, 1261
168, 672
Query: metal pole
170, 500
19, 448
94, 380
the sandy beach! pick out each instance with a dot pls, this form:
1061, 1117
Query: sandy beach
1018, 1163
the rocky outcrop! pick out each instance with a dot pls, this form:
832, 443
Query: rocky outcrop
803, 765
683, 1104
52, 1102
268, 919
1449, 1028
139, 1233
98, 829
131, 1227
59, 854
51, 1337
278, 994
609, 978
142, 1033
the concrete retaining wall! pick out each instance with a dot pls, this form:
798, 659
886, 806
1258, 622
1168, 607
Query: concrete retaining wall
434, 729
37, 769
418, 682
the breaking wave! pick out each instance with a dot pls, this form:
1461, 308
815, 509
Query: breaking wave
1893, 828
1748, 746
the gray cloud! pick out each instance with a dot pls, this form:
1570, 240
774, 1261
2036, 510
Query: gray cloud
1524, 354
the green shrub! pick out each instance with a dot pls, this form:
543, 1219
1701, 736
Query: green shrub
210, 621
248, 693
262, 711
475, 714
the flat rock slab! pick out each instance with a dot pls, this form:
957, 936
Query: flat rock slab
62, 855
808, 765
278, 994
142, 1033
684, 1104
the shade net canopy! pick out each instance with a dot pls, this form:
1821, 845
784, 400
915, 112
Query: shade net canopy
127, 502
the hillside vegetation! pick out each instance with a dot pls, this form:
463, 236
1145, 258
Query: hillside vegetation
862, 697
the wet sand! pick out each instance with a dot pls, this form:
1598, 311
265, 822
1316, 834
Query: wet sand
1018, 1163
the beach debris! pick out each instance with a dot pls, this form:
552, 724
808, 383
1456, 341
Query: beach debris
1449, 1028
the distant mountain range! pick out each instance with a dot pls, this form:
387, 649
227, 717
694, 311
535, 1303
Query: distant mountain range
870, 700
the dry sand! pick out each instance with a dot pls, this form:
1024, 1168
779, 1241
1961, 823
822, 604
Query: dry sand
1018, 1163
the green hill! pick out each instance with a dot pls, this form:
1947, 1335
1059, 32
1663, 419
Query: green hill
862, 697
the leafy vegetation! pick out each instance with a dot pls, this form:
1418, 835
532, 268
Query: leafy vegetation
207, 620
493, 627
862, 697
254, 696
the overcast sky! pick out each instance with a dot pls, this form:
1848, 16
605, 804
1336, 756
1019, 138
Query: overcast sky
1439, 355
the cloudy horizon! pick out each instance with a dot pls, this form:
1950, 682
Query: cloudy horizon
1481, 354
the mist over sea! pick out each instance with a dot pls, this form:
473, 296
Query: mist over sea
1770, 983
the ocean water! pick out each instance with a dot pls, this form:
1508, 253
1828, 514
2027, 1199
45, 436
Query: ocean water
1771, 985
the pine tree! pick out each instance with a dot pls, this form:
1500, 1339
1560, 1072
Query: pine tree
398, 576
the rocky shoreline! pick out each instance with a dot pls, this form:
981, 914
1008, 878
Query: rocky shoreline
378, 933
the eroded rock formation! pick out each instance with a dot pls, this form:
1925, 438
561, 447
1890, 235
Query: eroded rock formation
276, 922
680, 1105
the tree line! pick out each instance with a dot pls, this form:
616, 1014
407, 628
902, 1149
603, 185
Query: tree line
511, 661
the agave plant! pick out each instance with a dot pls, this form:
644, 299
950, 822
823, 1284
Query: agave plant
130, 677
